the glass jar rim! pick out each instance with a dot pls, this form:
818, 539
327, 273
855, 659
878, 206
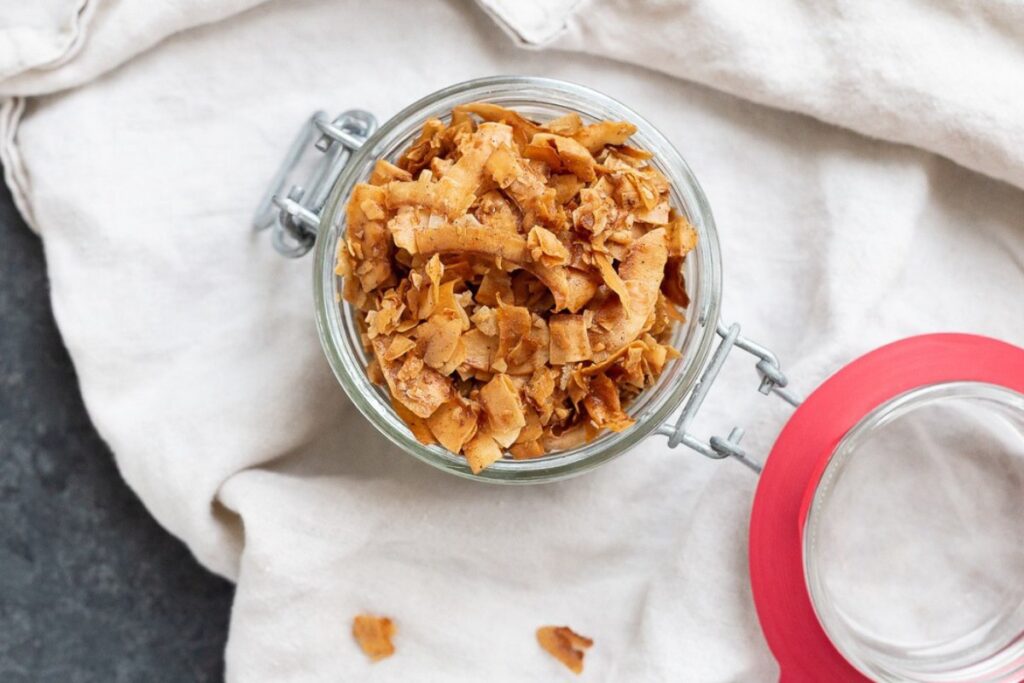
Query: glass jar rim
875, 660
704, 310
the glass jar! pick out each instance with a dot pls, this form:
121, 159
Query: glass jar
957, 450
887, 531
541, 99
816, 568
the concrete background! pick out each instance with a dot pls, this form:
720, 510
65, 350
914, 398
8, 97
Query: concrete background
91, 588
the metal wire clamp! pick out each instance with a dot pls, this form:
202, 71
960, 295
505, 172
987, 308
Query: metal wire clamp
773, 381
294, 214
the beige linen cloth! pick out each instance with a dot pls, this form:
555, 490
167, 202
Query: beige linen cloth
879, 194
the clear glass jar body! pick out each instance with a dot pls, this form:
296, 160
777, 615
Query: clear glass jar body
914, 540
542, 99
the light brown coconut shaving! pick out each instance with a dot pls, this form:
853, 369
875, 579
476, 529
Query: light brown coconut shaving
517, 281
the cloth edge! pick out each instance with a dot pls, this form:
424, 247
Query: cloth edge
532, 24
15, 174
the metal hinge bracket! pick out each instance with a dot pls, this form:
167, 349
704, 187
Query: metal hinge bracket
294, 214
773, 381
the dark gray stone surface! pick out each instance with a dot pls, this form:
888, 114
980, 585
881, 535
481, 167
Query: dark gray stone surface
91, 588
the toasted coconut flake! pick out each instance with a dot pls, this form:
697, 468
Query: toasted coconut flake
373, 372
569, 341
566, 186
627, 193
384, 172
494, 211
388, 316
597, 135
603, 405
439, 166
656, 215
533, 430
632, 154
581, 287
454, 423
481, 451
674, 284
435, 271
633, 366
480, 349
596, 213
439, 337
374, 634
425, 148
485, 318
565, 440
500, 401
642, 271
403, 227
417, 425
557, 281
532, 350
608, 362
514, 324
611, 279
562, 643
420, 389
472, 238
460, 182
525, 185
369, 246
562, 154
456, 360
527, 450
523, 128
399, 346
495, 284
540, 390
431, 299
567, 124
545, 248
448, 300
542, 385
578, 387
420, 193
682, 238
655, 356
639, 190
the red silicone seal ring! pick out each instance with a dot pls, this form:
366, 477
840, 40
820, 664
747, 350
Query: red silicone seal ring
799, 458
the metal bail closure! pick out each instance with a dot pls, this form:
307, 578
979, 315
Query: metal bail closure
773, 381
294, 214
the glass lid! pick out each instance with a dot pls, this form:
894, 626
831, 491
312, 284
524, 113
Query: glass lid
887, 533
914, 542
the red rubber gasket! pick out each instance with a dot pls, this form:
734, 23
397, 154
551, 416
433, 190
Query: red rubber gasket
798, 460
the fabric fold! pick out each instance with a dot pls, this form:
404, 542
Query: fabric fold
942, 76
531, 24
105, 34
42, 34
